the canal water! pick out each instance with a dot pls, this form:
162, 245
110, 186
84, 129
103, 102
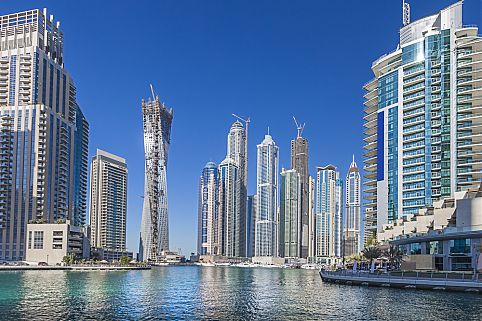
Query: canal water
217, 293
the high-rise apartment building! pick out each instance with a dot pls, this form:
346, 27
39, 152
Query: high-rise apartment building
108, 201
311, 219
329, 218
208, 211
290, 214
44, 136
299, 162
422, 133
237, 150
81, 159
229, 212
250, 224
266, 225
352, 210
154, 236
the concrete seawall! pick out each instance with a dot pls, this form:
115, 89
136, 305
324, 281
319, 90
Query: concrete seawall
400, 281
72, 268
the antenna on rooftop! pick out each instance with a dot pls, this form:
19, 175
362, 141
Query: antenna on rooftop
406, 13
299, 127
152, 91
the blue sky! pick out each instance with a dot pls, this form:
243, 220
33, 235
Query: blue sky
270, 60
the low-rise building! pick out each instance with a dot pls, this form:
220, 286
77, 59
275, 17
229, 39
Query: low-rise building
50, 243
446, 236
103, 254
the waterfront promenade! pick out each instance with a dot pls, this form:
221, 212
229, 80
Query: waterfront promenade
411, 280
72, 268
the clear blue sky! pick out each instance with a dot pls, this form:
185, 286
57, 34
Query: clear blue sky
207, 59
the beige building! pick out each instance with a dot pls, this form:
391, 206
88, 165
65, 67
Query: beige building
108, 201
49, 243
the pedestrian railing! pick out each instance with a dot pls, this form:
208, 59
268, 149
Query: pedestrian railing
413, 275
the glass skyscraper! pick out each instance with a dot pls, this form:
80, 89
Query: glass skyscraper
290, 214
43, 133
422, 110
208, 211
266, 225
250, 224
154, 236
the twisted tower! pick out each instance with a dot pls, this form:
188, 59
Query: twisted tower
154, 236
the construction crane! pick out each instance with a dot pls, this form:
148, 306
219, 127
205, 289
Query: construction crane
299, 127
152, 91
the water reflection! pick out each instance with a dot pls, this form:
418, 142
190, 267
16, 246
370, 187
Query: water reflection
219, 293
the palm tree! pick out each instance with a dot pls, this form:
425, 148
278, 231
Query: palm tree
371, 253
395, 256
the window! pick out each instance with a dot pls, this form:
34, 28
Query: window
58, 233
461, 246
415, 248
38, 240
57, 246
434, 247
29, 240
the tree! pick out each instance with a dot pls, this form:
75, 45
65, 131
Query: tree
124, 260
68, 259
394, 256
372, 241
371, 253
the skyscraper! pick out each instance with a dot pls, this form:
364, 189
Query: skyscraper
329, 219
290, 214
299, 162
81, 159
208, 211
39, 121
230, 227
311, 219
237, 150
250, 224
108, 201
352, 203
421, 111
266, 225
154, 236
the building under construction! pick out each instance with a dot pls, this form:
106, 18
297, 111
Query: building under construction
154, 236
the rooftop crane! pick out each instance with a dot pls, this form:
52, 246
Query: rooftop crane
299, 127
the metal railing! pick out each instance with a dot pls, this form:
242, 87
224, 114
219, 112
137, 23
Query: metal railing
410, 275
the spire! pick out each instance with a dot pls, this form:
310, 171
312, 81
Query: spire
406, 13
353, 164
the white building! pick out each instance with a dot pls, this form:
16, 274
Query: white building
44, 135
352, 214
229, 185
311, 219
49, 243
422, 119
108, 201
266, 224
154, 236
329, 219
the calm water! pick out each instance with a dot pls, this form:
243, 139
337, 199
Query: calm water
221, 293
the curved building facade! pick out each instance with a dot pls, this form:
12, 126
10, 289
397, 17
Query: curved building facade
154, 236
